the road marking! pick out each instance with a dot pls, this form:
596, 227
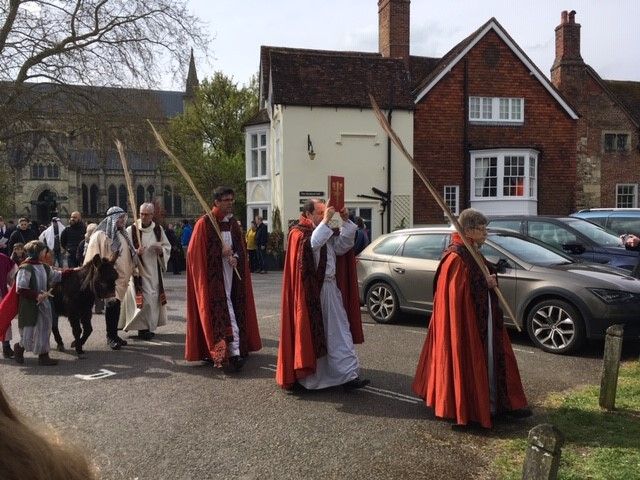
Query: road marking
103, 373
159, 343
421, 332
392, 395
524, 351
389, 392
271, 316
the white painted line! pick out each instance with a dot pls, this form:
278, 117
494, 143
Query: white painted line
382, 390
103, 373
421, 332
521, 350
394, 397
271, 316
267, 368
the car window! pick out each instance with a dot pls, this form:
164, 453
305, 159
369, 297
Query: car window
555, 235
508, 224
597, 234
622, 225
600, 220
389, 245
528, 251
493, 255
427, 246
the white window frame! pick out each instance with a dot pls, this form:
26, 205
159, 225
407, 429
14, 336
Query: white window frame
634, 193
496, 110
529, 177
261, 152
451, 195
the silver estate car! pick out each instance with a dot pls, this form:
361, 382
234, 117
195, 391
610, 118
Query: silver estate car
557, 301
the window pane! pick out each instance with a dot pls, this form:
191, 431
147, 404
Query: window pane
486, 181
451, 197
516, 109
112, 194
486, 108
389, 245
263, 139
504, 109
254, 163
626, 196
428, 246
622, 143
474, 108
263, 162
513, 181
609, 139
254, 141
554, 235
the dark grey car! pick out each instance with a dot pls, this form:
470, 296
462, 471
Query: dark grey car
558, 301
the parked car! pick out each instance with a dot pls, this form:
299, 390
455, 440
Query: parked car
618, 220
558, 301
579, 238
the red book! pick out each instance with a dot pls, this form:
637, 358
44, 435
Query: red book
336, 192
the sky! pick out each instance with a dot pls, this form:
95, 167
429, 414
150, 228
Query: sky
610, 37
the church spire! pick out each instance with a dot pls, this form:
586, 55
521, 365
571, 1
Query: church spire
192, 77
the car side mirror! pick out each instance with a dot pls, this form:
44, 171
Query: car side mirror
502, 265
576, 248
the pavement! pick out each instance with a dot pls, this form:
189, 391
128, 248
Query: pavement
145, 413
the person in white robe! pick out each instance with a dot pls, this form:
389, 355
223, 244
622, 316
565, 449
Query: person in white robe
50, 236
153, 250
340, 365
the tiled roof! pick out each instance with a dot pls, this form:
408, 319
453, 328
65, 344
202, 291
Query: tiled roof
258, 119
52, 98
333, 78
628, 93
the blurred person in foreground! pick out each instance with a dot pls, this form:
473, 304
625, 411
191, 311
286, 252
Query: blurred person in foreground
320, 311
467, 371
35, 454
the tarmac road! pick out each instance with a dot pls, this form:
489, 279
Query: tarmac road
144, 413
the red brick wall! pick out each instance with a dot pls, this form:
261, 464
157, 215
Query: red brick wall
393, 28
493, 70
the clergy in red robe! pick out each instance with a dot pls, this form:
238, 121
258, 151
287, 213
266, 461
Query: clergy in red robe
222, 325
320, 311
467, 370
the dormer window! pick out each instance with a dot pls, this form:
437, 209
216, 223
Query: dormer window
496, 110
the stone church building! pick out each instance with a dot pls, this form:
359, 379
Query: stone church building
62, 156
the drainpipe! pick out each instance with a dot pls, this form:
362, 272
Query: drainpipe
389, 115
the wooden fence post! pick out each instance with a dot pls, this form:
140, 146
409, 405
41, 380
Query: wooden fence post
610, 366
543, 453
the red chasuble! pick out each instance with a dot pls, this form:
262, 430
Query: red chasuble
208, 323
302, 338
452, 375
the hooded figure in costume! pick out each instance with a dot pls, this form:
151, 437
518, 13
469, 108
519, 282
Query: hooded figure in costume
222, 325
467, 370
144, 305
320, 312
111, 241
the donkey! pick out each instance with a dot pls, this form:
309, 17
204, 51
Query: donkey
74, 296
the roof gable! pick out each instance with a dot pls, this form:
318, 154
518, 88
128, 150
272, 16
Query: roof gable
625, 93
459, 51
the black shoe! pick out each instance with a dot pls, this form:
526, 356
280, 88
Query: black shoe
236, 362
355, 384
18, 352
113, 344
60, 347
7, 352
121, 342
145, 334
519, 413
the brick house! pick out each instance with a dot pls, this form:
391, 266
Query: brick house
492, 133
608, 133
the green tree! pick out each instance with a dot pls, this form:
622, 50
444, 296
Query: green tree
208, 137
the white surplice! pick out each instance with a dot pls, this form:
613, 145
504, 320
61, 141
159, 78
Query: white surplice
340, 364
152, 314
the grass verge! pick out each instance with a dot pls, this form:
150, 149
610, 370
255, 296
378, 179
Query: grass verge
598, 444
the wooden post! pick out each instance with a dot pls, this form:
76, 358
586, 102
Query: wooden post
543, 453
610, 366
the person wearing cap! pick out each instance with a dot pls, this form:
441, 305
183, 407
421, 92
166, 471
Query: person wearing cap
110, 240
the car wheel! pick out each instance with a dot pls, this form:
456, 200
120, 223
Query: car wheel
555, 326
382, 302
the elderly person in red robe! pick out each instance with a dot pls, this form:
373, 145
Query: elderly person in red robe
467, 370
222, 326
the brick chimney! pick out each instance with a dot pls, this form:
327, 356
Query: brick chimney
568, 62
393, 28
